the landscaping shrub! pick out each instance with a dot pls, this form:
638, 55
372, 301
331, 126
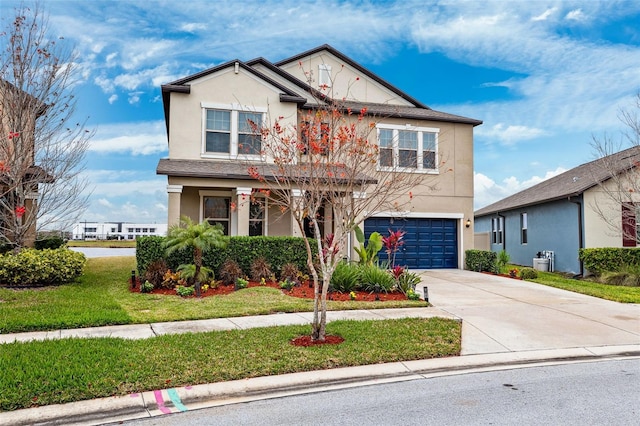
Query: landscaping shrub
599, 260
146, 287
346, 277
155, 272
50, 242
260, 269
407, 282
32, 267
277, 250
627, 276
502, 260
230, 272
375, 279
290, 272
183, 291
528, 274
480, 260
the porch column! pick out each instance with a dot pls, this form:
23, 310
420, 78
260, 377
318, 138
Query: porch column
295, 229
243, 196
175, 194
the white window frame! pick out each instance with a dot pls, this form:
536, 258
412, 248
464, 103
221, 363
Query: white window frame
524, 228
234, 109
324, 75
421, 149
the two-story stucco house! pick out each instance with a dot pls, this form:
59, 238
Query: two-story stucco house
565, 213
207, 113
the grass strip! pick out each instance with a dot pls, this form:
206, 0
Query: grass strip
101, 297
604, 291
60, 371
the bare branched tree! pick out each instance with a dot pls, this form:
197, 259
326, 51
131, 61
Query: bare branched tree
617, 172
329, 171
42, 147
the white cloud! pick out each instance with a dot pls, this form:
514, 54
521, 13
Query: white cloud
509, 135
192, 27
545, 15
487, 191
113, 98
105, 203
575, 15
146, 138
134, 97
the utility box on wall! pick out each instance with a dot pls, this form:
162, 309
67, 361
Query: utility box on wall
541, 264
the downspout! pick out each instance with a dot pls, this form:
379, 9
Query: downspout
580, 239
504, 231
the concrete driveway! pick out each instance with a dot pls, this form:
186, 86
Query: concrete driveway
506, 315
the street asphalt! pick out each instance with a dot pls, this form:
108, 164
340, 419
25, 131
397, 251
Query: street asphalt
505, 323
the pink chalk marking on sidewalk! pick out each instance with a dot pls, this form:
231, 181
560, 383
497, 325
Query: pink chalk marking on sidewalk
160, 401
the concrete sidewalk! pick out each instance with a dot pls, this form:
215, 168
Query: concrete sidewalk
506, 323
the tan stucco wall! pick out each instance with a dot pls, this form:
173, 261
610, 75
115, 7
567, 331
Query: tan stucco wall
348, 83
225, 88
598, 231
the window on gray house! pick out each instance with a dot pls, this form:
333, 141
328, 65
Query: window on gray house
523, 228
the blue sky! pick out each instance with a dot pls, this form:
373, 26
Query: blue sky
544, 76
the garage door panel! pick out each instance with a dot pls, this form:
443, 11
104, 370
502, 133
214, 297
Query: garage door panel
429, 243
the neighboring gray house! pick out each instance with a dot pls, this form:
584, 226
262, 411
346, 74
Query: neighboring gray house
558, 215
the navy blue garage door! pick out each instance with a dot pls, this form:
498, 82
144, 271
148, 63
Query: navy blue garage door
428, 243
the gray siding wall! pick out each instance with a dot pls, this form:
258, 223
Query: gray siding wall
551, 226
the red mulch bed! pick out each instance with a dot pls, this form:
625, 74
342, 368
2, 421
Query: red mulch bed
304, 292
306, 341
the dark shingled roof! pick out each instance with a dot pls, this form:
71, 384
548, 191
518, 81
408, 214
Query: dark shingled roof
398, 111
570, 183
226, 169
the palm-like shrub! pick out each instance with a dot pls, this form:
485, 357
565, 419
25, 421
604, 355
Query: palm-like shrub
375, 279
197, 236
345, 278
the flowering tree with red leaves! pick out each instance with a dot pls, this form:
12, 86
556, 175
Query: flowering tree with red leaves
41, 153
325, 171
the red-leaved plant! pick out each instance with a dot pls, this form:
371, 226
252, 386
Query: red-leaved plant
392, 244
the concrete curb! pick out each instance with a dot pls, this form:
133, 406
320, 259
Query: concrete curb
159, 402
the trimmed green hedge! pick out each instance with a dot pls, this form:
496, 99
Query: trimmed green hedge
278, 251
32, 267
599, 260
480, 260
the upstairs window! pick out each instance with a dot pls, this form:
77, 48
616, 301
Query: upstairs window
314, 138
408, 148
324, 75
231, 132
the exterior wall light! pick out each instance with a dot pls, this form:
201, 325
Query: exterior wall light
468, 224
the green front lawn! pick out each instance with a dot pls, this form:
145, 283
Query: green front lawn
101, 297
604, 291
59, 371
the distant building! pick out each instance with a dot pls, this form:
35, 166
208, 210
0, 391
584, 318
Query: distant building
116, 230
